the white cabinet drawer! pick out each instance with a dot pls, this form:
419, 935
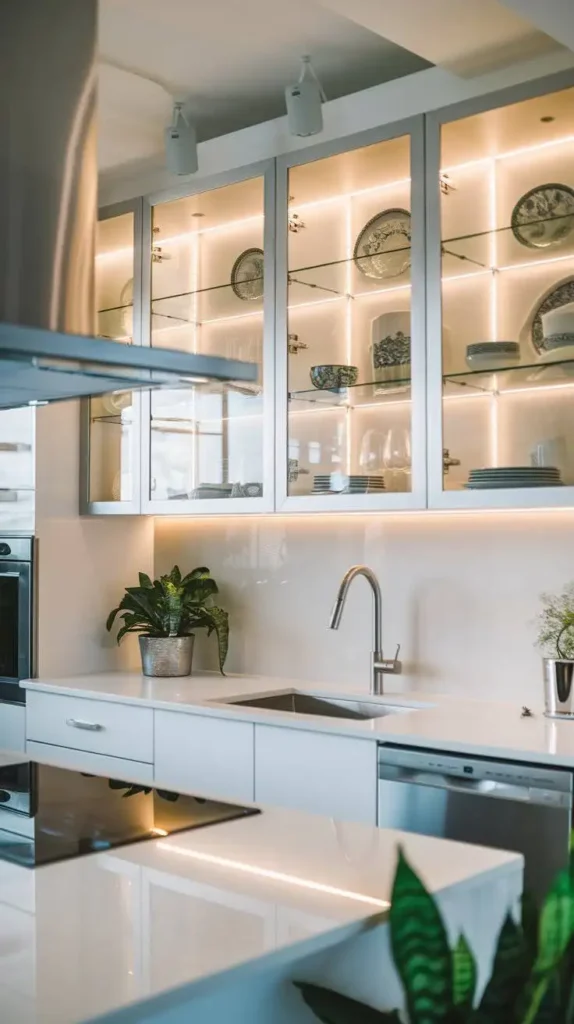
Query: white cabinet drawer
122, 730
316, 772
84, 761
204, 755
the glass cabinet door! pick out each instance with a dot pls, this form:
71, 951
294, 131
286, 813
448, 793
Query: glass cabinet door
501, 223
211, 292
110, 443
351, 328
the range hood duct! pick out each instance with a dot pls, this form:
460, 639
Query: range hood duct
48, 211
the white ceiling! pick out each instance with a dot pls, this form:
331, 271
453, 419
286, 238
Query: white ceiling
232, 57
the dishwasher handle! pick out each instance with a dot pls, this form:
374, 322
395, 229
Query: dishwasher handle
440, 781
472, 787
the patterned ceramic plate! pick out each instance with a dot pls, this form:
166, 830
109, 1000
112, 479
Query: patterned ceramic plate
247, 275
383, 248
544, 216
559, 296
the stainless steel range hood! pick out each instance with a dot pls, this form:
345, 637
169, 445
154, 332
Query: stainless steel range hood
48, 197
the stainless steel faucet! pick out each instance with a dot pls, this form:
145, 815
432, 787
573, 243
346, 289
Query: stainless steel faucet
380, 665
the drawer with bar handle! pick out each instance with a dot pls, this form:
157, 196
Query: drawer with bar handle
99, 726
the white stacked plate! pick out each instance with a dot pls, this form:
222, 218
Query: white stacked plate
339, 483
513, 476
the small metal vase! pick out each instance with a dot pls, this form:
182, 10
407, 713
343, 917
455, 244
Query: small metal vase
559, 687
166, 655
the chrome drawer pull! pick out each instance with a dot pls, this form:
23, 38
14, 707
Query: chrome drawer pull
79, 723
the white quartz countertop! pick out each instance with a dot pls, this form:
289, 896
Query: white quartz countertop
157, 920
486, 728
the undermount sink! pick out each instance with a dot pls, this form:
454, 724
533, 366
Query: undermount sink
310, 704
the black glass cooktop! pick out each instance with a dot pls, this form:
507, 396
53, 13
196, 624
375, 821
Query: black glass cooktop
49, 814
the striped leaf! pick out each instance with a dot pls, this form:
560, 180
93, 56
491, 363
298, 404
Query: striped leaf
420, 948
334, 1008
464, 974
509, 976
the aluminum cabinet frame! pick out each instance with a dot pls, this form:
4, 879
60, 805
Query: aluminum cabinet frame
230, 506
523, 498
134, 506
416, 498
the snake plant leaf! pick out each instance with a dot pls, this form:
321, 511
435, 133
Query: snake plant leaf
420, 948
217, 619
145, 582
334, 1008
509, 976
555, 950
556, 923
202, 572
464, 974
198, 591
530, 924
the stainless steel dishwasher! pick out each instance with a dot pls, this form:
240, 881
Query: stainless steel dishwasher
507, 805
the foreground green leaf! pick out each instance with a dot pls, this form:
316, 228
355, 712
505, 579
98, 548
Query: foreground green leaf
464, 974
334, 1008
509, 976
420, 948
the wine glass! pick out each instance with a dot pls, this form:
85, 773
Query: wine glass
397, 458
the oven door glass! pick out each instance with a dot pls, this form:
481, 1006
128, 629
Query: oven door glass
15, 628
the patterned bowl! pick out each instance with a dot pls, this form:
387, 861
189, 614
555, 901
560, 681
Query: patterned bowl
333, 375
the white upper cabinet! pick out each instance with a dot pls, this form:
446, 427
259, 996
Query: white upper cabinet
111, 438
209, 289
500, 202
350, 324
408, 296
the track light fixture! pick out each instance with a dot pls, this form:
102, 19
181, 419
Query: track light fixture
304, 102
181, 142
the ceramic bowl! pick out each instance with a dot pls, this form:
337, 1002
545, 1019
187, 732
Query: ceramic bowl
492, 355
333, 375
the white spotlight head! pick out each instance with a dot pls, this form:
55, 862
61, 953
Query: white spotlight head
304, 102
180, 143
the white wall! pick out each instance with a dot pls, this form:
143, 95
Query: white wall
83, 564
460, 593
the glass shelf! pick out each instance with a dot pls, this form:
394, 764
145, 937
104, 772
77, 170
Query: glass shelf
525, 377
504, 379
501, 231
355, 395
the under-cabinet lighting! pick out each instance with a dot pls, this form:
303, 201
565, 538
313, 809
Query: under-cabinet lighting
564, 141
274, 876
115, 253
536, 263
350, 195
493, 255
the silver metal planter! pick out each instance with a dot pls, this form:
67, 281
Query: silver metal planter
559, 687
166, 656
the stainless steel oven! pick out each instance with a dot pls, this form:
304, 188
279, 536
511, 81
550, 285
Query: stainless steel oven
17, 618
504, 804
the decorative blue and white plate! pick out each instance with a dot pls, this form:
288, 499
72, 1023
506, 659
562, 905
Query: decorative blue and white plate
383, 247
544, 216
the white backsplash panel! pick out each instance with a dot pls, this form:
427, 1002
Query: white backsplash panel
460, 594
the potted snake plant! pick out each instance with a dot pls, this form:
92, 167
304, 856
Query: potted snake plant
556, 640
165, 613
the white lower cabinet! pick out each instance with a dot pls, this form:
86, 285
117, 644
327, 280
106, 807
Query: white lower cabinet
98, 726
84, 761
317, 772
206, 755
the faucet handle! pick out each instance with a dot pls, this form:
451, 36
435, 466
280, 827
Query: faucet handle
393, 666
